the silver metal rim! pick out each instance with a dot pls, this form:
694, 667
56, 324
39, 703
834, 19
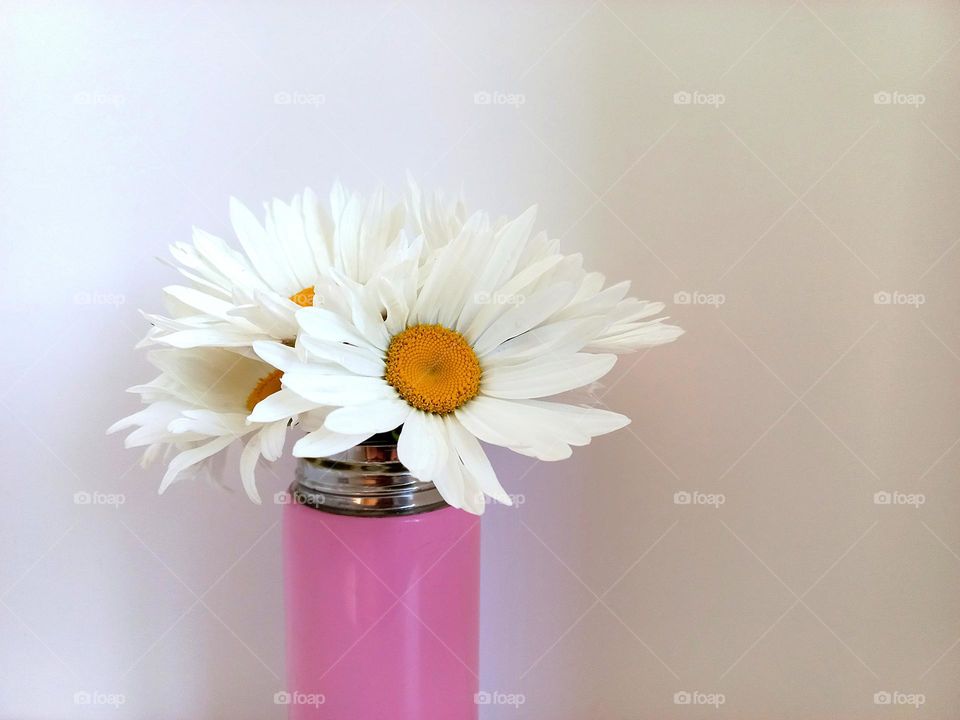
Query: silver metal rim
365, 481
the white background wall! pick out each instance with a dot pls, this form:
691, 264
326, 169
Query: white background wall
797, 399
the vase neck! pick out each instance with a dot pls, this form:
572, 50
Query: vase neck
366, 480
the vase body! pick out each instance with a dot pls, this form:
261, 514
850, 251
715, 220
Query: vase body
381, 593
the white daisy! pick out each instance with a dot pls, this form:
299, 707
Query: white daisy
199, 405
237, 297
460, 348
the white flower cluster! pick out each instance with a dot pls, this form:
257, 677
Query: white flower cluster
366, 317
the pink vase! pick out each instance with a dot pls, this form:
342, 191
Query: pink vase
382, 594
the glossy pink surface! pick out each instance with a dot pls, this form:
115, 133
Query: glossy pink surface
382, 615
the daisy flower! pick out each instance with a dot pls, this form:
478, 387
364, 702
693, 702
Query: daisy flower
198, 406
462, 344
238, 296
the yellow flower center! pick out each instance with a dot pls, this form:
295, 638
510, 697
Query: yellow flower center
434, 369
266, 386
303, 298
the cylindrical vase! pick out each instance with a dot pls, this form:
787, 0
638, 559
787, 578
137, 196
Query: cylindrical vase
381, 593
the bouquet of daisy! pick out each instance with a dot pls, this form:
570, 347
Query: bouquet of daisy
364, 317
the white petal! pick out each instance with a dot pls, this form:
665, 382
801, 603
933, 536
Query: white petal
449, 480
631, 310
393, 299
290, 235
347, 235
326, 325
226, 337
475, 460
313, 419
225, 261
544, 430
647, 335
477, 316
592, 421
325, 389
548, 450
314, 224
190, 264
501, 261
361, 361
208, 422
272, 437
323, 443
158, 413
265, 310
518, 319
191, 457
449, 280
602, 303
566, 336
479, 425
422, 446
200, 300
545, 376
277, 354
281, 405
248, 463
261, 250
365, 313
375, 417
